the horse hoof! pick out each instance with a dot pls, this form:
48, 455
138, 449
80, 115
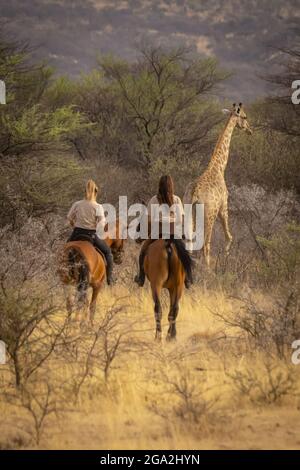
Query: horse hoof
139, 281
170, 338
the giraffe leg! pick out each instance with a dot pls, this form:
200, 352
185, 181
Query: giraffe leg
208, 225
223, 214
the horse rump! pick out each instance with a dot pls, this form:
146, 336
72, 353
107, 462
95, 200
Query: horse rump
78, 270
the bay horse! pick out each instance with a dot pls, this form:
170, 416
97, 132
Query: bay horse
166, 264
82, 266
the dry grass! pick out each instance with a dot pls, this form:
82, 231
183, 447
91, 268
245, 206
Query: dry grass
187, 394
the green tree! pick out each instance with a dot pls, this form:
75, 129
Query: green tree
165, 97
26, 123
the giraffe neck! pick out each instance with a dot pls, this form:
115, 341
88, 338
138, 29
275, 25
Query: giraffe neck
220, 155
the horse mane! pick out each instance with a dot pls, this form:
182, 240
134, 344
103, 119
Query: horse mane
183, 255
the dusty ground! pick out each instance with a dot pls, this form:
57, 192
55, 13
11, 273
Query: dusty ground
167, 396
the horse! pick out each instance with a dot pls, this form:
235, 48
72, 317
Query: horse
83, 266
166, 264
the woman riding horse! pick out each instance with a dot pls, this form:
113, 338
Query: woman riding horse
166, 210
87, 215
81, 264
165, 261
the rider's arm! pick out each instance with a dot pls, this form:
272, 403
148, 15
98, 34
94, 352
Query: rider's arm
100, 217
72, 215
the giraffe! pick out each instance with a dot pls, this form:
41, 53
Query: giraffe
210, 188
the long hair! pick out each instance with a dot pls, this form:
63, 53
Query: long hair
91, 190
166, 190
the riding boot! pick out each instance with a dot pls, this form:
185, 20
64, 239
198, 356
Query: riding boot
109, 268
140, 278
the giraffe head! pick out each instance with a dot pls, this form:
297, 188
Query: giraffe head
237, 112
242, 122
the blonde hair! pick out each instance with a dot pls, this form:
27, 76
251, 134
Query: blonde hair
91, 190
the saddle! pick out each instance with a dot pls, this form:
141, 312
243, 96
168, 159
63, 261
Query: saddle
172, 228
87, 238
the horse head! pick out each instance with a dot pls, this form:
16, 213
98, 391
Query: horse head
115, 241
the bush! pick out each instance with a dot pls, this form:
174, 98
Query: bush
270, 325
265, 382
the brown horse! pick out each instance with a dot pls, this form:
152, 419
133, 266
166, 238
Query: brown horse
166, 265
83, 266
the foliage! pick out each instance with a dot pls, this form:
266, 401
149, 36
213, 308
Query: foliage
38, 185
265, 383
162, 98
25, 122
282, 261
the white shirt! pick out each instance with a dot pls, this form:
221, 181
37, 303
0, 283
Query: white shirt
165, 214
87, 214
159, 211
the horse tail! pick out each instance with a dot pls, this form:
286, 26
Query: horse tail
183, 255
78, 269
83, 280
